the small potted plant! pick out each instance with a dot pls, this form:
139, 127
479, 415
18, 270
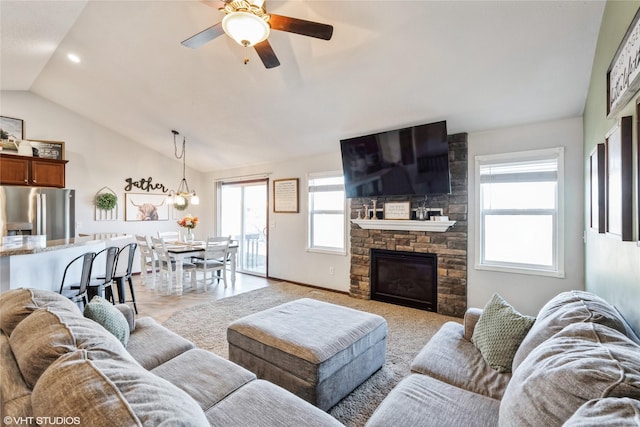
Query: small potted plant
106, 201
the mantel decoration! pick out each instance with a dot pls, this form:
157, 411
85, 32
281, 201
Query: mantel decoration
189, 222
106, 202
397, 210
182, 197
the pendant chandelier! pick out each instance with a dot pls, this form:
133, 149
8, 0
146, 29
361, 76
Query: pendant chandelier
182, 197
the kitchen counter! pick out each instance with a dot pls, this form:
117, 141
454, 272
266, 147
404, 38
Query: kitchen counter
40, 264
34, 247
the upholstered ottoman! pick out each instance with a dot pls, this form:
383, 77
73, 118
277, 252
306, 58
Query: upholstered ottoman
316, 350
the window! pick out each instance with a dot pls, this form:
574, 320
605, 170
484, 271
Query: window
519, 216
326, 212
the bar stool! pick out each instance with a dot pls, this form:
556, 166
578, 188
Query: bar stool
121, 275
102, 285
77, 292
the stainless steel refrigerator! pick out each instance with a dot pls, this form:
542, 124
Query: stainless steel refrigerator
36, 210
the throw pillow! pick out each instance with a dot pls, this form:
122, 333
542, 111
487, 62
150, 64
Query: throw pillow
499, 332
107, 315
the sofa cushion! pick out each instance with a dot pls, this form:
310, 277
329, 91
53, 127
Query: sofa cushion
565, 309
263, 404
584, 361
111, 392
208, 378
143, 344
419, 400
44, 336
17, 304
451, 358
499, 332
128, 314
15, 395
607, 412
106, 314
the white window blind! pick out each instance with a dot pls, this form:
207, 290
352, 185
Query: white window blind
520, 212
326, 212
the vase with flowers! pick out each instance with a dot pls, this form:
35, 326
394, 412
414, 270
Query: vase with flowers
189, 222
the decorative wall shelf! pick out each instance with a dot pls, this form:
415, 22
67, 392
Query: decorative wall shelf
403, 225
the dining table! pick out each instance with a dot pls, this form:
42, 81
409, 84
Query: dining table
183, 250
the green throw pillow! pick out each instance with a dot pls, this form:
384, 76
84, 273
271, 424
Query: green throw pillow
499, 332
106, 314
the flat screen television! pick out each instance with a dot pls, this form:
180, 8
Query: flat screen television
413, 160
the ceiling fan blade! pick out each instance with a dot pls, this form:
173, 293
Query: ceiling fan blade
266, 54
204, 36
300, 26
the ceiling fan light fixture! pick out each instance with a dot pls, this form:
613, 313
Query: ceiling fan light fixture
246, 28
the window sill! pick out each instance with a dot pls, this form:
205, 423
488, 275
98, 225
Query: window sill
327, 251
519, 270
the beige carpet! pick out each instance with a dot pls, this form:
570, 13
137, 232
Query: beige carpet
409, 330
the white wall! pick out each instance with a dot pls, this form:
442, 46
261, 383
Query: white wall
528, 292
612, 266
99, 157
288, 257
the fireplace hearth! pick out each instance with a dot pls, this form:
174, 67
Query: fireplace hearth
405, 278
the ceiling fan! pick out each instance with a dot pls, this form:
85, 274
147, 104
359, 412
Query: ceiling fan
249, 24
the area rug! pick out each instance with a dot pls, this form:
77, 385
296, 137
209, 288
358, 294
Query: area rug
409, 331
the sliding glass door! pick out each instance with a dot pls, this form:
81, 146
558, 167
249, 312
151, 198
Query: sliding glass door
243, 216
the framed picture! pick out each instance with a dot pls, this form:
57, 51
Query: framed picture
638, 152
618, 180
623, 75
146, 207
47, 149
285, 195
596, 189
11, 128
397, 210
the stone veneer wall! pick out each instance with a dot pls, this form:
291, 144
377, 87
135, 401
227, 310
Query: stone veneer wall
450, 246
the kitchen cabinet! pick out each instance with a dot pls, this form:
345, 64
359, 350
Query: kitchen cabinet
31, 171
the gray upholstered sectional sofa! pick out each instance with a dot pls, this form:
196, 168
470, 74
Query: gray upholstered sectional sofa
578, 365
58, 367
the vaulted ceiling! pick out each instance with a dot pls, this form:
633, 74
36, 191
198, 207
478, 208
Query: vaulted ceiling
477, 64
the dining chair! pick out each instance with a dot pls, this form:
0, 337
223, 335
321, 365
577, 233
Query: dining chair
148, 260
76, 290
123, 271
167, 265
101, 284
213, 259
169, 236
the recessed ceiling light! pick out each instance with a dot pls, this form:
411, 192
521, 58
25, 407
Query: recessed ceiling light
74, 58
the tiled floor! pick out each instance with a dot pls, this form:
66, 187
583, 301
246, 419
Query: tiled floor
161, 306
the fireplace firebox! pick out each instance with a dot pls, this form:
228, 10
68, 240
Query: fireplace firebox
405, 278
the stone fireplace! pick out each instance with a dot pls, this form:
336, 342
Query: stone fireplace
449, 247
